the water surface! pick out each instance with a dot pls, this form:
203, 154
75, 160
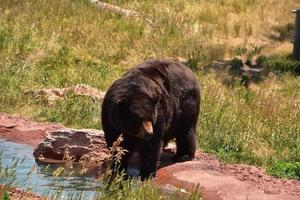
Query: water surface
41, 180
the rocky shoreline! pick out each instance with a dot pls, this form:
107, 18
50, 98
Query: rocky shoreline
16, 194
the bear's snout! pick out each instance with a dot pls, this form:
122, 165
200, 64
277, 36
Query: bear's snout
148, 127
146, 131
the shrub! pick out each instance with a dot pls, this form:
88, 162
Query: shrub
281, 63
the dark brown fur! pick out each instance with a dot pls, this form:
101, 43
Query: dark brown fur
165, 92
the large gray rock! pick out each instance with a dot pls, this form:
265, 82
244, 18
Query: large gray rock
80, 145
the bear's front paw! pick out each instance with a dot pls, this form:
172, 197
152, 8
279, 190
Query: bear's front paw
148, 175
183, 158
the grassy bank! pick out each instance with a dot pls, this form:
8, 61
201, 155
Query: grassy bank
49, 43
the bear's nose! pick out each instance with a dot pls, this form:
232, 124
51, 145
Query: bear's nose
148, 127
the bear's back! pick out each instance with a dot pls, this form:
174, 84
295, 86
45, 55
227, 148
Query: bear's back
177, 76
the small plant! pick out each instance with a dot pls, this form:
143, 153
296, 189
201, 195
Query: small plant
283, 63
7, 176
8, 173
236, 63
239, 51
285, 169
112, 173
285, 32
192, 63
248, 53
254, 50
6, 37
68, 159
5, 196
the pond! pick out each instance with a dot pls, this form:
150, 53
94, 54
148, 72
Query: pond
41, 180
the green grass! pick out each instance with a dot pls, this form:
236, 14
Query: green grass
286, 169
256, 126
282, 63
49, 43
73, 110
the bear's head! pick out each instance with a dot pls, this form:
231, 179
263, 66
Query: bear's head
137, 115
136, 106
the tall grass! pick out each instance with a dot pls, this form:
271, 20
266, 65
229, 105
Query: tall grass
258, 125
49, 43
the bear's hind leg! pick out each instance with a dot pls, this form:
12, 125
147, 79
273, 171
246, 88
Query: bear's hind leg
186, 146
185, 131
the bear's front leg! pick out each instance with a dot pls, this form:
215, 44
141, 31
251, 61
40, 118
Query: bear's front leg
118, 166
149, 156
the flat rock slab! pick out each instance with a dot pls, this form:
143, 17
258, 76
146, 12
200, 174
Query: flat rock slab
18, 129
215, 184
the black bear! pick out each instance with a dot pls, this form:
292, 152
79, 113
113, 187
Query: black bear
154, 102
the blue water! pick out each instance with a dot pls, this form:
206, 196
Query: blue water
41, 180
